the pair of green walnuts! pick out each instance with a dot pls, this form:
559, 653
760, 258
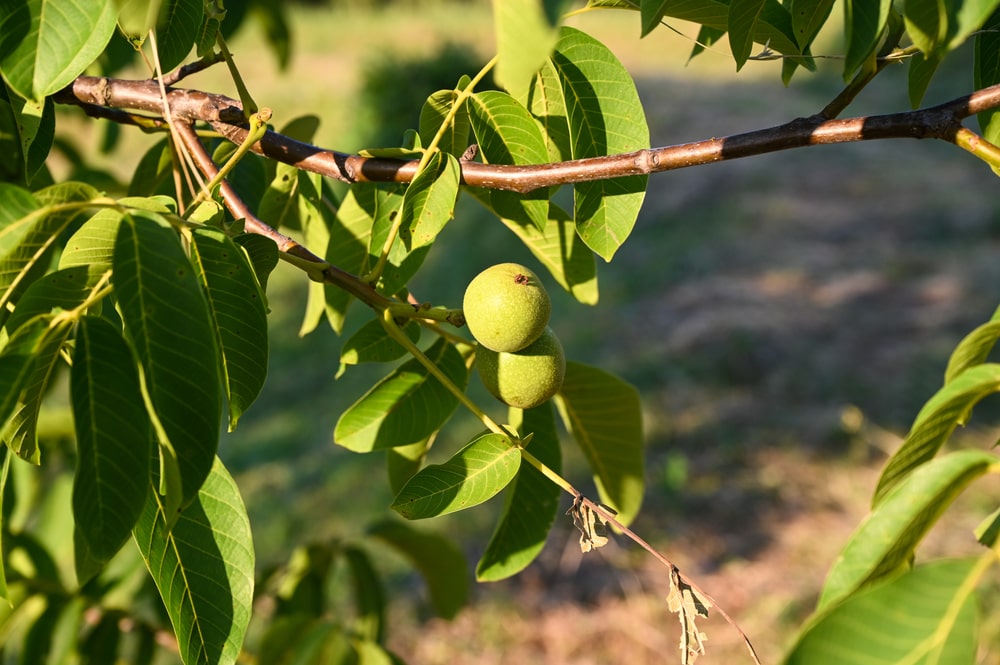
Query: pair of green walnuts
520, 360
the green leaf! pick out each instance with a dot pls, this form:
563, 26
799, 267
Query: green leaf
236, 303
455, 139
441, 563
547, 103
531, 501
884, 543
25, 242
922, 69
169, 328
17, 362
741, 25
45, 44
935, 422
20, 433
404, 407
279, 205
301, 589
525, 35
562, 251
371, 343
773, 26
865, 22
706, 38
987, 73
808, 17
383, 206
113, 438
203, 568
429, 201
4, 527
36, 125
403, 461
176, 30
262, 253
473, 475
305, 640
927, 615
93, 244
369, 596
60, 290
926, 23
508, 134
605, 117
604, 415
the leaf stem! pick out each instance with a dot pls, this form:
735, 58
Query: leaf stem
258, 127
979, 147
249, 105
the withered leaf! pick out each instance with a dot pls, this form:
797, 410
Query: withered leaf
593, 528
689, 605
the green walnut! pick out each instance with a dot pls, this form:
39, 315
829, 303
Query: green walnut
506, 307
526, 378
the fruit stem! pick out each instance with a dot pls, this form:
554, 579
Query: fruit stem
394, 331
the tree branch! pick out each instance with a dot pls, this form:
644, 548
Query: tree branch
225, 115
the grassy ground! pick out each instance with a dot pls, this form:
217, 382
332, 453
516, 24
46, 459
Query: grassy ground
784, 318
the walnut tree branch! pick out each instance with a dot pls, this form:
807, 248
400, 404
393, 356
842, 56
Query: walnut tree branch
943, 122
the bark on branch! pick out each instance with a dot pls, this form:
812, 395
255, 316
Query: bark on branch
97, 95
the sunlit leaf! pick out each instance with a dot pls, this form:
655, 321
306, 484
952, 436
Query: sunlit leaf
404, 407
36, 130
604, 415
531, 501
884, 543
113, 438
236, 304
935, 422
689, 605
203, 567
93, 244
440, 562
605, 117
45, 44
435, 110
592, 526
59, 290
471, 476
925, 615
18, 359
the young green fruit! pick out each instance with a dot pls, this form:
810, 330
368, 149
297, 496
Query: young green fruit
506, 307
526, 378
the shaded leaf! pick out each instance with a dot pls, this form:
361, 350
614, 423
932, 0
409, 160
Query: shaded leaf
474, 474
305, 640
17, 366
236, 304
531, 501
604, 415
36, 125
741, 25
262, 253
926, 615
301, 590
369, 596
177, 27
113, 438
60, 290
547, 104
169, 327
203, 568
808, 16
884, 543
987, 73
403, 461
922, 69
935, 422
404, 407
440, 562
864, 23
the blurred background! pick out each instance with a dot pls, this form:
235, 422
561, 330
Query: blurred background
784, 317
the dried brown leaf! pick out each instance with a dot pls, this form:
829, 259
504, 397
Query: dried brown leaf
689, 605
